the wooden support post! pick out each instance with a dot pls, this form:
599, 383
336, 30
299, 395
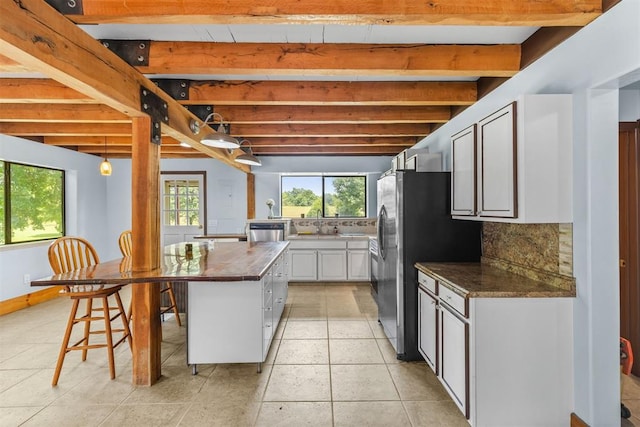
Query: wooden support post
251, 196
145, 228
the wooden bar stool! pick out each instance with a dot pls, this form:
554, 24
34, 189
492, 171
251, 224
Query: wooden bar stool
124, 241
72, 253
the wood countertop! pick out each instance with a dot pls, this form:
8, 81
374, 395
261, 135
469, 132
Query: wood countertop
240, 237
476, 280
227, 262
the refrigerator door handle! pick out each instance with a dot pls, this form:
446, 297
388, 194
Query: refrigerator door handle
382, 217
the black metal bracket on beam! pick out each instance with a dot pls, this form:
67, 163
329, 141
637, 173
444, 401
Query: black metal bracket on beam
200, 111
176, 88
133, 52
67, 7
155, 107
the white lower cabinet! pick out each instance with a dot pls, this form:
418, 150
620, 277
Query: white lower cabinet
454, 347
427, 327
329, 260
358, 260
503, 361
303, 265
332, 265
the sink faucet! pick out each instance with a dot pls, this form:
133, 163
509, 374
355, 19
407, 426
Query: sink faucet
318, 213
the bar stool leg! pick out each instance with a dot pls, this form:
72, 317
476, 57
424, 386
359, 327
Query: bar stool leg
87, 327
174, 304
65, 342
125, 320
108, 333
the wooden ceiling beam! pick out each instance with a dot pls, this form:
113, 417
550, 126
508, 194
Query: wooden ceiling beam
126, 149
31, 91
333, 142
245, 114
233, 92
244, 131
35, 35
60, 113
332, 130
93, 140
66, 129
379, 150
332, 59
169, 143
366, 12
10, 66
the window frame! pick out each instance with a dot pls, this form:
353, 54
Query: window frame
7, 202
323, 178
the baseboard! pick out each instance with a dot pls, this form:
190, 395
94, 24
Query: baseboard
577, 422
28, 300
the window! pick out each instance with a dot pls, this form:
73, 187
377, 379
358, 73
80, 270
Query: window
344, 196
181, 202
31, 203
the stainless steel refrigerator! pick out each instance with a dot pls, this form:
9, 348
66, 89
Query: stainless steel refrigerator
415, 225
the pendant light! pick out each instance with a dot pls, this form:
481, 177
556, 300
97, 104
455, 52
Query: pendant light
220, 138
105, 166
247, 156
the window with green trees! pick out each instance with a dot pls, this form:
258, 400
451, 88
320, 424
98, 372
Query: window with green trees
31, 203
344, 196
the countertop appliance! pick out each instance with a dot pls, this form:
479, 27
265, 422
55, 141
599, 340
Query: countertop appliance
415, 225
266, 231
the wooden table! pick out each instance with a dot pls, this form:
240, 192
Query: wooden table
227, 262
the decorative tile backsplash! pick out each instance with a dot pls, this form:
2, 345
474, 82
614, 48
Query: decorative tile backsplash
539, 251
345, 225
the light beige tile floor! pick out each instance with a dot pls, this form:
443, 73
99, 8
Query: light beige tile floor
631, 398
329, 365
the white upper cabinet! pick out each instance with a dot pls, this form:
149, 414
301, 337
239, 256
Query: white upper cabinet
523, 164
463, 188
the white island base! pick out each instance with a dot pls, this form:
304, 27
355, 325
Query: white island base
234, 322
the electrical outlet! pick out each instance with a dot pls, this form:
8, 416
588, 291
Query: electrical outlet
26, 279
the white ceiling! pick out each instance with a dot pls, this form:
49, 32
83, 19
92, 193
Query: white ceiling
313, 33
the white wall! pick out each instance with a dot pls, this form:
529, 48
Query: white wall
630, 105
85, 210
226, 195
592, 65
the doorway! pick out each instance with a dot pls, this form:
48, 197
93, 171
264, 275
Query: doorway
629, 222
183, 206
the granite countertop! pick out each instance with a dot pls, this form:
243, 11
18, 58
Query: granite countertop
476, 280
226, 262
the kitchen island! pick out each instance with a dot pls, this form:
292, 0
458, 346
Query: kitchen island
500, 343
226, 276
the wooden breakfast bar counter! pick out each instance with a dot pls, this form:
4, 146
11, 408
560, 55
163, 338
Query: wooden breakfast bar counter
236, 295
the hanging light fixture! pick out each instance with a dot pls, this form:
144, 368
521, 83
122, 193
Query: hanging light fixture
105, 166
247, 156
220, 138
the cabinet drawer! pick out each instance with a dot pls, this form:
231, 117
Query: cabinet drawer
267, 291
427, 282
318, 244
358, 244
454, 300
